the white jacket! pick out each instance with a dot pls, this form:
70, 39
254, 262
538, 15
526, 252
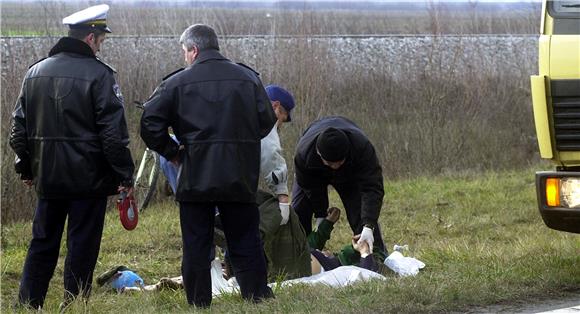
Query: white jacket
273, 169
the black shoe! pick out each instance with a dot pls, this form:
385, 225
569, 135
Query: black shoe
267, 294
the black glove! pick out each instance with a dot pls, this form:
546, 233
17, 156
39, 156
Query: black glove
22, 167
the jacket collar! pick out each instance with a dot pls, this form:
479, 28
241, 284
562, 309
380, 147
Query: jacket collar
209, 54
69, 44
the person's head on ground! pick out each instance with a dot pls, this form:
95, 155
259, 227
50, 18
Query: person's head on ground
89, 25
197, 38
333, 146
282, 102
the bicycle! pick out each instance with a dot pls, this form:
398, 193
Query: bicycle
147, 174
146, 178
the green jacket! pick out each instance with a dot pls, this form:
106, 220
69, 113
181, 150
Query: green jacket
285, 246
317, 238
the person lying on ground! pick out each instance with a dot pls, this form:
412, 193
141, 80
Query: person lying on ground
321, 261
283, 260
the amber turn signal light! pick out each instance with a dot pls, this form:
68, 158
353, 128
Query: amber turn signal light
553, 192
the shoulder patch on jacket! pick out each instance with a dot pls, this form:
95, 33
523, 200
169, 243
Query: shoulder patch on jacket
173, 73
247, 67
37, 61
117, 92
108, 66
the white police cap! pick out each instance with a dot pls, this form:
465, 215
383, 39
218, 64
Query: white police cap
92, 17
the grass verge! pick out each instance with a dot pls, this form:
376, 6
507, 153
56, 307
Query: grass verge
480, 235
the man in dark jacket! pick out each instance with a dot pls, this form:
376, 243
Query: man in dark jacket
218, 111
334, 151
70, 137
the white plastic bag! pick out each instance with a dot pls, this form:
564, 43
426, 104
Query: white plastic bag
218, 283
404, 266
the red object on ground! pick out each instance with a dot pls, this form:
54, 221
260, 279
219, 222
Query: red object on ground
128, 211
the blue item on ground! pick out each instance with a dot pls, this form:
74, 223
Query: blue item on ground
127, 279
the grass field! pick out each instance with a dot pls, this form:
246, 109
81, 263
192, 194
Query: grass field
480, 236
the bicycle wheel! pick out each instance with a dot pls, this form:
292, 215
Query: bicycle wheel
146, 178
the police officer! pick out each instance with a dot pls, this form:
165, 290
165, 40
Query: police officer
218, 111
70, 137
335, 151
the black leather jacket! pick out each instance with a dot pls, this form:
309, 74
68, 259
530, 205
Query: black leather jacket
68, 128
361, 168
218, 111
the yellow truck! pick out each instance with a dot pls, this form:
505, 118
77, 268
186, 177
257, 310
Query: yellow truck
556, 106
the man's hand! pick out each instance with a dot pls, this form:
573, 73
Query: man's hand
285, 212
177, 159
333, 214
367, 236
362, 247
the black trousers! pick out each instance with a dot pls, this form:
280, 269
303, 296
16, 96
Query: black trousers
350, 195
84, 231
240, 224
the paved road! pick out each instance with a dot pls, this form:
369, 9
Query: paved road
566, 309
574, 309
567, 304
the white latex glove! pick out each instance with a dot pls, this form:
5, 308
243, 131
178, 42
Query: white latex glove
367, 235
285, 212
319, 221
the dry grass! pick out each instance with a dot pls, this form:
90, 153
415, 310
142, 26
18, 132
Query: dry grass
430, 105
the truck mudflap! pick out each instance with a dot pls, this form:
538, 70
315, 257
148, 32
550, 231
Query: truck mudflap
559, 199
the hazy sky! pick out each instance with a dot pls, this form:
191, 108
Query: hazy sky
422, 1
